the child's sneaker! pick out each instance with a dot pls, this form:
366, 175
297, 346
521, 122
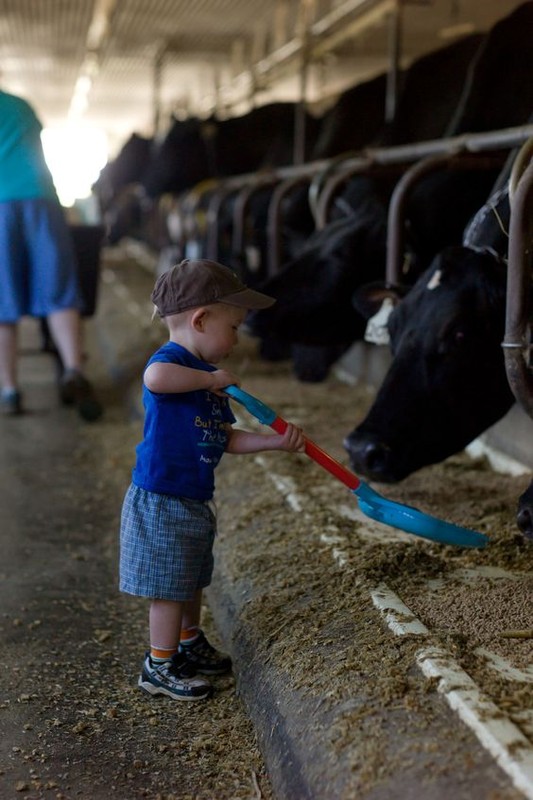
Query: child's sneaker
204, 657
176, 678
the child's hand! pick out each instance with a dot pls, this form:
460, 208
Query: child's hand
221, 378
293, 440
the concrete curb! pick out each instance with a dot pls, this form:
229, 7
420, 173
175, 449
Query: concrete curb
297, 758
294, 727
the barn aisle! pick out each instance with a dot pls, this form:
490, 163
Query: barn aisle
308, 598
73, 723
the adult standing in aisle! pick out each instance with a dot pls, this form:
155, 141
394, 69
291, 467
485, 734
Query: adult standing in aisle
38, 270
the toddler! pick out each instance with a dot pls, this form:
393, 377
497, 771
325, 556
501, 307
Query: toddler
168, 523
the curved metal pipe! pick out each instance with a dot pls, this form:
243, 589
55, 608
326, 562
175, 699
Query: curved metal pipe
473, 143
504, 139
516, 344
320, 178
398, 202
274, 221
330, 189
242, 205
189, 210
396, 214
519, 165
213, 210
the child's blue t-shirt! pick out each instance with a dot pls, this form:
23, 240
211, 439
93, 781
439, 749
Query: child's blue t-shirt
184, 435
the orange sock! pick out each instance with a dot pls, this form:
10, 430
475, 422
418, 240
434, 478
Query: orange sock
189, 634
160, 654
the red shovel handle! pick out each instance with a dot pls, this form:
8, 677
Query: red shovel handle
321, 457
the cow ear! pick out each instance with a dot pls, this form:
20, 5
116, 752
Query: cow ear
368, 299
376, 301
377, 327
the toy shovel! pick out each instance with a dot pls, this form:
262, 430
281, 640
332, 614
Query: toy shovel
371, 503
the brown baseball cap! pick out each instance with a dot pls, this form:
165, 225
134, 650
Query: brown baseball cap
200, 282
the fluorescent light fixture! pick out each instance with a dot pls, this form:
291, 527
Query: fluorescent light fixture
454, 31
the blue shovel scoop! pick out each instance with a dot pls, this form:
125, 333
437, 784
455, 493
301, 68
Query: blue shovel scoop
371, 503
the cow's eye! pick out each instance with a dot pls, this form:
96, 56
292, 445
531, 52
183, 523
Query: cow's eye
448, 345
457, 339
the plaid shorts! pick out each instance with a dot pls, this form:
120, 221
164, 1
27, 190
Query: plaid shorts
166, 545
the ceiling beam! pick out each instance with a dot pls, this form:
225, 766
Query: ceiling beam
97, 37
345, 21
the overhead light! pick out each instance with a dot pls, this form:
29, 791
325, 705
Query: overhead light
83, 85
78, 106
453, 31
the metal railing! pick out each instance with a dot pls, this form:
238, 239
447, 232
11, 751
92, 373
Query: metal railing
419, 159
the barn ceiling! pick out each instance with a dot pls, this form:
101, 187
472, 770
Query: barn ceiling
125, 65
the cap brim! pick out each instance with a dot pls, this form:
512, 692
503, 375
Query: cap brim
248, 298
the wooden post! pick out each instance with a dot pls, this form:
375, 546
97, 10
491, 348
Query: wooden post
395, 35
300, 112
156, 87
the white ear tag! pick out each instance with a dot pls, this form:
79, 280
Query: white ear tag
376, 328
253, 258
434, 281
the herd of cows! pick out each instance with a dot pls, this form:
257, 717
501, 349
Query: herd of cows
447, 382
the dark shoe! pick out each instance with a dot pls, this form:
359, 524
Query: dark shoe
175, 678
204, 657
75, 390
10, 403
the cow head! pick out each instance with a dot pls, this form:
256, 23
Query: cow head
181, 159
126, 169
314, 290
447, 381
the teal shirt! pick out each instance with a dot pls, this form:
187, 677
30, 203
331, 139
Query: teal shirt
24, 173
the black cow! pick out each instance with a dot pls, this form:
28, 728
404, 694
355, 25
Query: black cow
447, 381
430, 89
318, 285
441, 204
117, 189
196, 150
314, 291
314, 310
355, 121
498, 93
123, 171
524, 517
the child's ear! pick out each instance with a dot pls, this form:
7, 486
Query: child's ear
198, 319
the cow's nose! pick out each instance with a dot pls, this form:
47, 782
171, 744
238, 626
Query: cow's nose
375, 457
524, 520
369, 457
